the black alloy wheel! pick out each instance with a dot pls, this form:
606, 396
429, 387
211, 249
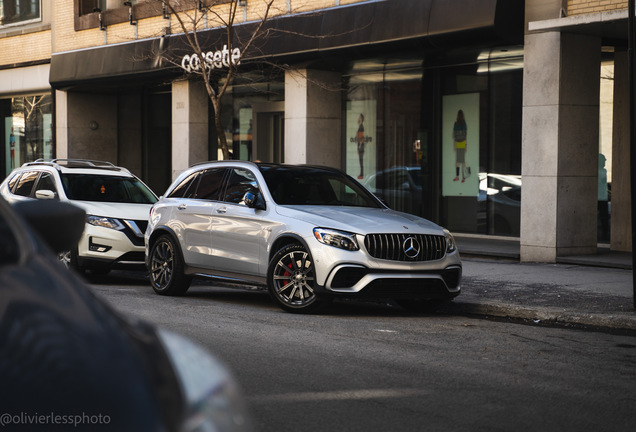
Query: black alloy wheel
291, 280
166, 268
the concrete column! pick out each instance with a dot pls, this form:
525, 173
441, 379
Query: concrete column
86, 126
560, 145
313, 117
189, 125
61, 124
621, 225
130, 136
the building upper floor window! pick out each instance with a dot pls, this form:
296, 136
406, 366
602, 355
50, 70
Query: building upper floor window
17, 12
90, 6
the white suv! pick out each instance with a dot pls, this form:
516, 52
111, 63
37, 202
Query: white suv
307, 233
116, 203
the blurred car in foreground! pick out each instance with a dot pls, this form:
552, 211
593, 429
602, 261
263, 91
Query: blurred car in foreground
116, 204
307, 233
68, 361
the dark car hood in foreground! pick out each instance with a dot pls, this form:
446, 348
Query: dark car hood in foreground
64, 352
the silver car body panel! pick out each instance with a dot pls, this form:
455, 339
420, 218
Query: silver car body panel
241, 239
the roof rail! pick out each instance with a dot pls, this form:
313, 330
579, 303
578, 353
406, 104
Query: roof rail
75, 163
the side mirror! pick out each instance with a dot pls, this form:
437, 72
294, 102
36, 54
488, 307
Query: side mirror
254, 201
59, 224
45, 194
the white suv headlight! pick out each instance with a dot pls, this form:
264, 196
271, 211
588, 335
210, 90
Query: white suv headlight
339, 239
104, 222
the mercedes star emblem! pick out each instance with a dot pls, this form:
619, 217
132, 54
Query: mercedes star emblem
411, 247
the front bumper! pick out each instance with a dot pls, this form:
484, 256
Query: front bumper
106, 248
359, 281
357, 274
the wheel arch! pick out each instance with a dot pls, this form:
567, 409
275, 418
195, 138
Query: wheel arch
284, 240
164, 230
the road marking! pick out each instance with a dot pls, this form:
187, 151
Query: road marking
340, 395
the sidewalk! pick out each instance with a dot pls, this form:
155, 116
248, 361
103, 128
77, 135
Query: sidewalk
589, 292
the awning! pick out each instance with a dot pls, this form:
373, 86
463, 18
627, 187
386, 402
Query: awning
371, 25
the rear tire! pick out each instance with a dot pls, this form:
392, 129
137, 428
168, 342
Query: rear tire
291, 280
167, 275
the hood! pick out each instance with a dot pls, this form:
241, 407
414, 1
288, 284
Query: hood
361, 220
115, 210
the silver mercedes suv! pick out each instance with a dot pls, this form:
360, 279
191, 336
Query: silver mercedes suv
306, 233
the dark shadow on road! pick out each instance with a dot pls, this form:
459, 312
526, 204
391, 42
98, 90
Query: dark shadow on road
218, 291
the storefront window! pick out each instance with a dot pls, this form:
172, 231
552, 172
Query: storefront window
383, 134
26, 130
439, 141
254, 115
14, 12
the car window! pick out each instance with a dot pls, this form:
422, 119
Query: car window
240, 182
26, 182
416, 177
186, 188
13, 180
210, 184
46, 182
106, 188
315, 186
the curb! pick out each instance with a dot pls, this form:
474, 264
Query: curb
549, 316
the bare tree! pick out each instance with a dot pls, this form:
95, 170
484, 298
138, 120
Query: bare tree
216, 70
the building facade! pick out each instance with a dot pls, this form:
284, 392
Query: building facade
568, 162
26, 108
443, 107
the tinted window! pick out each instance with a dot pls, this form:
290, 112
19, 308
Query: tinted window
186, 188
210, 184
46, 182
315, 186
240, 182
13, 181
106, 188
26, 182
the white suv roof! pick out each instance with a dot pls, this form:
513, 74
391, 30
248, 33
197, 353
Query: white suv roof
80, 166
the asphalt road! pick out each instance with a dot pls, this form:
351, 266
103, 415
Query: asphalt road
373, 367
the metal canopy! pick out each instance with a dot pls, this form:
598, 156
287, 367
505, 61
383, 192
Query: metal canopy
364, 27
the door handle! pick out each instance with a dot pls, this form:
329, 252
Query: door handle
182, 207
221, 210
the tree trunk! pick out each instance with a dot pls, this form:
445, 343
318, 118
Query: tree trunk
216, 103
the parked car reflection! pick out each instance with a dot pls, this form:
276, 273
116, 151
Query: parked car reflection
499, 203
398, 187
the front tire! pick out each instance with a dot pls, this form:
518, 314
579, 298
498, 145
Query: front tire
167, 275
291, 280
69, 260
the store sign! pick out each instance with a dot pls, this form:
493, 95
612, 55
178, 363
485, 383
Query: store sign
213, 59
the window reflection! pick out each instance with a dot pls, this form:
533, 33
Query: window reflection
27, 131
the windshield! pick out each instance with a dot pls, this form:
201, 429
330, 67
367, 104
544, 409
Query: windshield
291, 185
106, 188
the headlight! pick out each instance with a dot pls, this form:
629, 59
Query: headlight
213, 400
339, 239
451, 246
104, 222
